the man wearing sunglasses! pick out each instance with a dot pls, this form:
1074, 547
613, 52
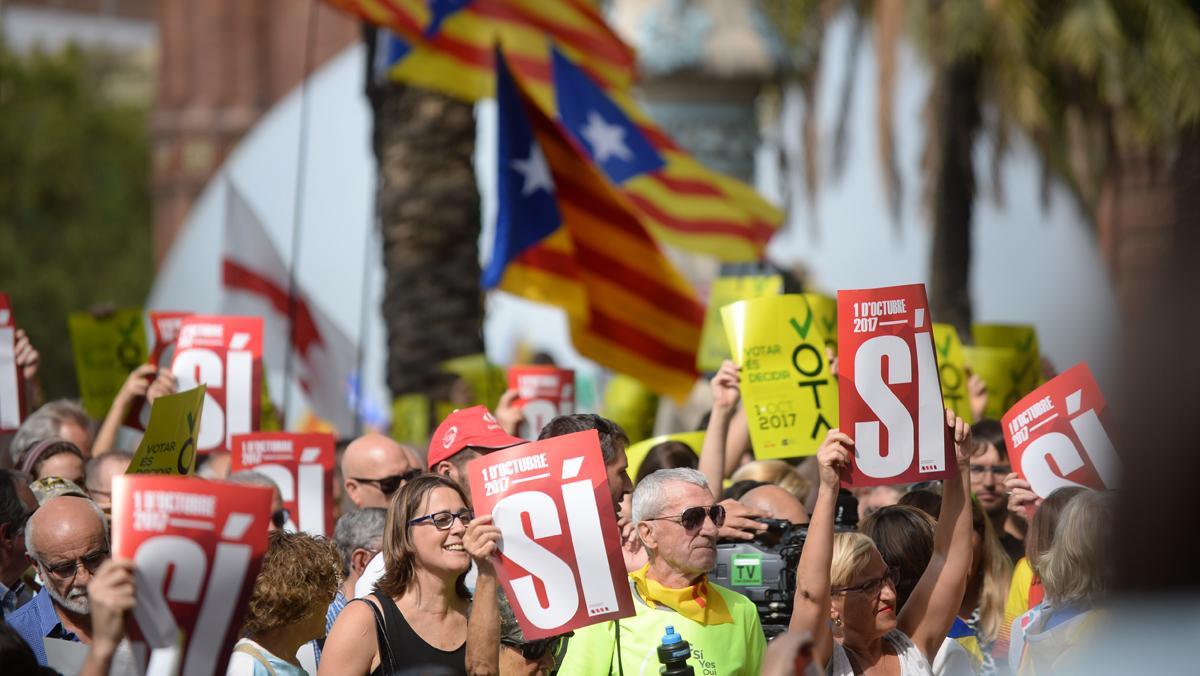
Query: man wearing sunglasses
17, 504
67, 540
374, 467
678, 523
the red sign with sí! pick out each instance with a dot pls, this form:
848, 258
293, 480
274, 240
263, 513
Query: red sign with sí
165, 326
543, 392
12, 383
225, 354
197, 547
301, 465
890, 396
560, 563
1059, 435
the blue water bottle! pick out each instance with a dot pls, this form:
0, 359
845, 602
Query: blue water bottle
673, 654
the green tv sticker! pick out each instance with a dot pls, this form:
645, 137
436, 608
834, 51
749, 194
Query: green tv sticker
747, 570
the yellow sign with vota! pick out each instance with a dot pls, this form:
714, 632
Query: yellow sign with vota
952, 370
106, 350
1019, 337
997, 366
169, 445
825, 310
725, 290
788, 392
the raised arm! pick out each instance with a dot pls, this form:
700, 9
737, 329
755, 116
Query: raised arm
934, 602
137, 383
483, 626
725, 393
810, 608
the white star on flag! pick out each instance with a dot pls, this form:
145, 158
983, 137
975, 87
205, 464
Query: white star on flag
607, 140
535, 171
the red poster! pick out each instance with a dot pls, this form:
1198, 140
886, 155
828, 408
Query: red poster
890, 397
561, 564
543, 392
12, 384
1058, 435
197, 546
301, 465
166, 331
224, 353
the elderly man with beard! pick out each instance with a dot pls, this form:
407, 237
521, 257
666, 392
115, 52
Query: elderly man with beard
67, 539
677, 520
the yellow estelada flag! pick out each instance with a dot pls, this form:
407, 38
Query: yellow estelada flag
787, 388
952, 370
169, 445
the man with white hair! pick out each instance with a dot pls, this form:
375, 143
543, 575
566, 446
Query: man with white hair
67, 539
677, 521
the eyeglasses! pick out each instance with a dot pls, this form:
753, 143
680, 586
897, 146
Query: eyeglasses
444, 520
68, 569
280, 517
692, 518
998, 471
390, 484
533, 650
871, 587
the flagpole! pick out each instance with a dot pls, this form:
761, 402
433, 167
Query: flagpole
298, 210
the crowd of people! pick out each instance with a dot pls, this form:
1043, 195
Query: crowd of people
973, 575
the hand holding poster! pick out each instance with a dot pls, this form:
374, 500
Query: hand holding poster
1058, 435
165, 326
169, 444
106, 349
225, 354
952, 371
543, 392
726, 289
790, 396
890, 393
570, 554
197, 547
301, 465
12, 385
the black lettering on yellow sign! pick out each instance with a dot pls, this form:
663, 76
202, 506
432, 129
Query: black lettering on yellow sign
818, 363
129, 353
952, 378
182, 466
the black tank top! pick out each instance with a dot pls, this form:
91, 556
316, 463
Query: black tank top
410, 654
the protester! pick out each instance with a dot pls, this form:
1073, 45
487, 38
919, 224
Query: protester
279, 516
100, 472
982, 607
17, 504
146, 381
417, 617
54, 457
67, 540
613, 442
374, 467
776, 503
1077, 572
358, 536
874, 498
61, 419
775, 472
667, 455
112, 594
463, 436
297, 581
989, 467
844, 579
53, 486
17, 657
678, 521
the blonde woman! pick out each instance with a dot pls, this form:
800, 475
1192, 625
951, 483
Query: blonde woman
982, 610
846, 594
775, 472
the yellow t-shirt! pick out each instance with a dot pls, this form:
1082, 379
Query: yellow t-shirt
717, 650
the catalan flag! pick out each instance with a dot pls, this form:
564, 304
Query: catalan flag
564, 236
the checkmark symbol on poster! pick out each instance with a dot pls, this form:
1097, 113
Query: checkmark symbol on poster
944, 348
1024, 345
1019, 375
803, 330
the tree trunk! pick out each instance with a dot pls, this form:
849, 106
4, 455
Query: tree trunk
428, 208
956, 119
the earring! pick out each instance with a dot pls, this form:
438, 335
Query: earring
837, 621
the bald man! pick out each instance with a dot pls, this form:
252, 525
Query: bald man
373, 468
67, 539
776, 503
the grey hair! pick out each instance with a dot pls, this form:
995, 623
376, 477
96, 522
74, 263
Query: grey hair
1078, 566
359, 529
45, 423
253, 478
650, 495
94, 465
91, 503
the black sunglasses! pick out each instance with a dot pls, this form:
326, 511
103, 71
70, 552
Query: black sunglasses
533, 650
280, 517
390, 484
692, 518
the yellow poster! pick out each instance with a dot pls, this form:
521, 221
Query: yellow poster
789, 394
952, 370
169, 445
825, 309
725, 290
410, 419
632, 405
485, 380
106, 350
1019, 337
636, 453
998, 367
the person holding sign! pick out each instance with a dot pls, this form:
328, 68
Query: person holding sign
677, 520
148, 382
846, 594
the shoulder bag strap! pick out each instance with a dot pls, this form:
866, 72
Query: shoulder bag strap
381, 638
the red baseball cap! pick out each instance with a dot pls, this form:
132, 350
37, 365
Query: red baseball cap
474, 427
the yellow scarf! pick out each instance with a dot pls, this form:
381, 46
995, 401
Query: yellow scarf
697, 602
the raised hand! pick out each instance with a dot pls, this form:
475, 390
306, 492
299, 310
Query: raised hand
111, 594
482, 540
1022, 501
26, 356
964, 445
833, 458
164, 384
741, 522
977, 394
726, 390
508, 415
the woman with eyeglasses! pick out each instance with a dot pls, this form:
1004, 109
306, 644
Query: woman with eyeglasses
846, 593
416, 620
